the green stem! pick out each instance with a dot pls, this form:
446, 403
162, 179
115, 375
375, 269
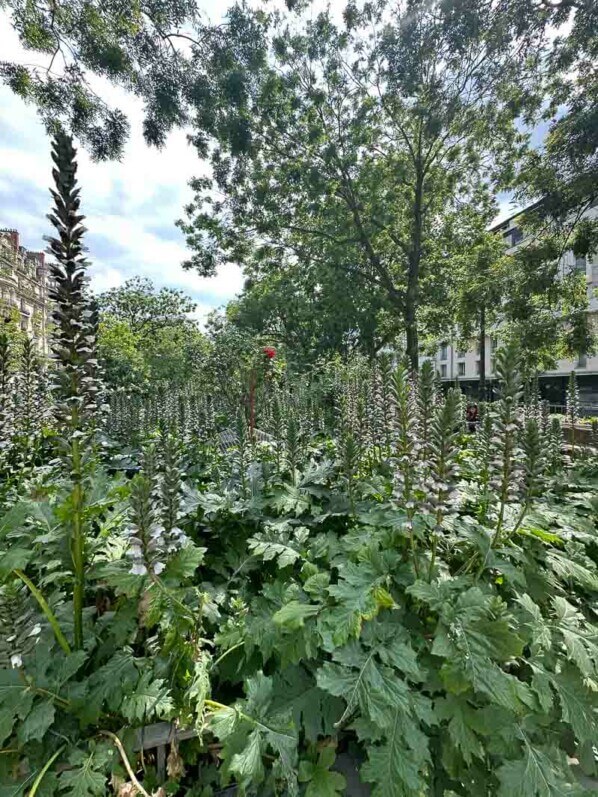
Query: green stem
78, 546
215, 706
43, 771
226, 652
49, 614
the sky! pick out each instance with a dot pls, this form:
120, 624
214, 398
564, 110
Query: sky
130, 206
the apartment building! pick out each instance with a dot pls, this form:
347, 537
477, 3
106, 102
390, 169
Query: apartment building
24, 285
455, 363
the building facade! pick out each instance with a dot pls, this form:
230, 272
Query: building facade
24, 286
455, 363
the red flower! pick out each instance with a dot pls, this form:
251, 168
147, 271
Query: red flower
269, 352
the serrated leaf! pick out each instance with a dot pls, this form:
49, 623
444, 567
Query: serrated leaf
321, 782
536, 774
14, 559
356, 676
224, 722
312, 708
393, 767
463, 725
185, 562
247, 764
293, 614
578, 704
150, 699
87, 778
268, 550
37, 722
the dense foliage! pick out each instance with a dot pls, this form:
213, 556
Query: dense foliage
300, 571
146, 336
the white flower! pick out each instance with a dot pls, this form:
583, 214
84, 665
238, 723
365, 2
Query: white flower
37, 629
159, 567
16, 661
138, 569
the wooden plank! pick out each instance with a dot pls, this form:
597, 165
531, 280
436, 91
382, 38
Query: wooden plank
161, 733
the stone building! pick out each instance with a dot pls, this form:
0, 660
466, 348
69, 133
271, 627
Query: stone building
24, 286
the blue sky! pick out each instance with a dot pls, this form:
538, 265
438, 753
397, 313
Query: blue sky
131, 206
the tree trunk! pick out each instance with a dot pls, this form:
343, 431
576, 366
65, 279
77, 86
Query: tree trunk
482, 381
411, 294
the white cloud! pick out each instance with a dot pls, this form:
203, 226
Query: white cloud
131, 206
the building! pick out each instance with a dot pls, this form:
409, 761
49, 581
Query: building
454, 363
24, 285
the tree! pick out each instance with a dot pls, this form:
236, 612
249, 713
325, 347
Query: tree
365, 137
181, 67
145, 309
146, 335
312, 314
561, 177
121, 355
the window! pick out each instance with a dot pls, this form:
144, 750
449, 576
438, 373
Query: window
461, 369
443, 371
580, 264
444, 352
494, 343
478, 368
582, 361
492, 365
516, 236
461, 353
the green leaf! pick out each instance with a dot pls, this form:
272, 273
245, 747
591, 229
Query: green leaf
14, 519
247, 764
284, 554
87, 779
224, 722
321, 781
578, 704
313, 709
14, 559
293, 614
568, 569
365, 685
15, 701
537, 774
150, 699
463, 726
185, 562
360, 596
37, 722
393, 767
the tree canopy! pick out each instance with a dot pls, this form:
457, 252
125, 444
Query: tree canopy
147, 334
367, 138
183, 68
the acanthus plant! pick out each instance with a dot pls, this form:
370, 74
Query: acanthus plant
79, 660
366, 580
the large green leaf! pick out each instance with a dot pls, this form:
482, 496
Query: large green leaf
150, 698
394, 767
541, 772
579, 705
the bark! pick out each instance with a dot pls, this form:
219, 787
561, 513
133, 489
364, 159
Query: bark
411, 294
482, 381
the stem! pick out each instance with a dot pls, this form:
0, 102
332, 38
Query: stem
226, 652
414, 548
49, 614
78, 546
43, 771
215, 706
118, 744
